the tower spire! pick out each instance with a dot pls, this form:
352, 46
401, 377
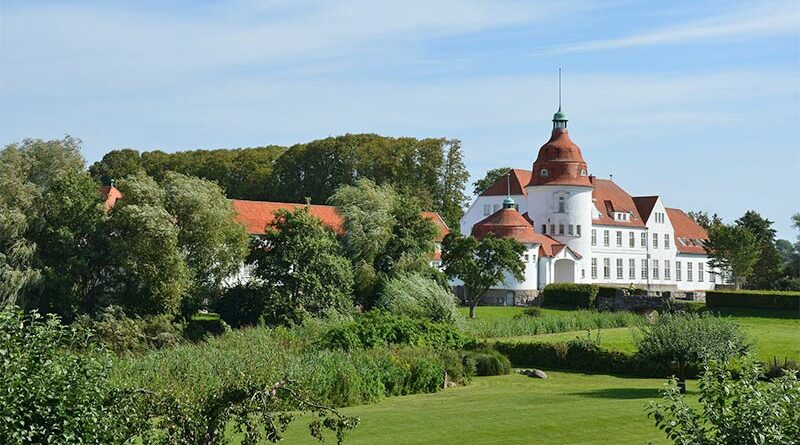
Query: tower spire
509, 203
560, 118
559, 88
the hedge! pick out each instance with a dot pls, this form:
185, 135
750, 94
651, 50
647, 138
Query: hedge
577, 357
755, 299
611, 291
570, 294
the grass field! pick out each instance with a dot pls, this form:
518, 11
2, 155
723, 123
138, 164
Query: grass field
567, 408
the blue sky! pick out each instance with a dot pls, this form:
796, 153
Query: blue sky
697, 101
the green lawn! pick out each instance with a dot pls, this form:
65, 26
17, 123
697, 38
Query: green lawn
567, 408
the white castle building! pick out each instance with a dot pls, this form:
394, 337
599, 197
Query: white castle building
578, 228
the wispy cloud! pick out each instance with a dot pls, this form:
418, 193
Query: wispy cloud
759, 19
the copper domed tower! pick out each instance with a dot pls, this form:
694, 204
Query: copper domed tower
560, 161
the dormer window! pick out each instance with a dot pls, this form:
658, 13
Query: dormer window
583, 172
544, 172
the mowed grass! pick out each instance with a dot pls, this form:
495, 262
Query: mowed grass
567, 408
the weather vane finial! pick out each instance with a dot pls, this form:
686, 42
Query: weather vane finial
559, 88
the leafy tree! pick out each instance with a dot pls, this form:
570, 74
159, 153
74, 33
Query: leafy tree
410, 246
367, 211
735, 409
302, 267
704, 220
768, 266
116, 165
450, 199
681, 341
490, 178
481, 264
147, 271
733, 249
417, 296
212, 242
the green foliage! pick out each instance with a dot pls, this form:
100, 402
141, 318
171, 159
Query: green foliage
415, 296
302, 268
733, 249
51, 395
377, 328
488, 362
549, 323
682, 340
115, 165
481, 264
450, 199
570, 295
775, 369
734, 409
117, 332
241, 305
531, 311
753, 299
489, 179
201, 327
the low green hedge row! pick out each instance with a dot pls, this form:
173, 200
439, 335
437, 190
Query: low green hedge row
575, 356
755, 299
570, 295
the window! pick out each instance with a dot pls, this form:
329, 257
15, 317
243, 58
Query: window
594, 237
584, 172
619, 268
561, 229
569, 229
605, 238
631, 239
578, 230
583, 273
666, 241
607, 268
632, 269
667, 274
487, 209
655, 241
644, 239
655, 269
561, 205
689, 271
678, 274
544, 172
552, 229
644, 268
619, 238
527, 258
594, 268
544, 228
700, 277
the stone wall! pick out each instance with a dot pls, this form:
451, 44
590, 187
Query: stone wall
633, 303
504, 297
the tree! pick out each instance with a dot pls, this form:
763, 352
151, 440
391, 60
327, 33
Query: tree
481, 264
681, 341
212, 242
733, 250
735, 409
116, 165
768, 266
704, 220
450, 199
302, 267
410, 246
416, 296
490, 178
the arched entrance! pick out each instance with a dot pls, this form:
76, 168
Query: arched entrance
564, 271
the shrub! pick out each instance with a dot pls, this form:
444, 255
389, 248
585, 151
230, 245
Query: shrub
680, 341
734, 409
122, 334
488, 362
416, 296
52, 395
607, 291
551, 322
570, 295
530, 311
201, 326
241, 305
377, 328
776, 369
756, 299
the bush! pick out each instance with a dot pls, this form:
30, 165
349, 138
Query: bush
122, 334
530, 311
377, 328
551, 322
241, 305
488, 362
755, 299
776, 369
681, 341
570, 295
416, 296
202, 326
52, 395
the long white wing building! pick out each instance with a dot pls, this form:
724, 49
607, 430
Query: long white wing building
578, 228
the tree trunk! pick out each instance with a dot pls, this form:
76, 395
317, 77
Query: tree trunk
472, 310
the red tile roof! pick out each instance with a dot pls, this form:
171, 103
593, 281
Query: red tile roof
519, 180
437, 219
110, 195
508, 223
608, 197
689, 236
563, 161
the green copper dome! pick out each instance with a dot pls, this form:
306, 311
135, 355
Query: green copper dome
509, 203
560, 116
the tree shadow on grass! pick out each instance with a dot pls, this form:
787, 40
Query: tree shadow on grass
621, 393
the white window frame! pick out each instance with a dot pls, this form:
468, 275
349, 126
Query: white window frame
594, 268
606, 268
620, 273
632, 268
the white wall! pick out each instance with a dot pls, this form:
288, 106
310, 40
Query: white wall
531, 272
